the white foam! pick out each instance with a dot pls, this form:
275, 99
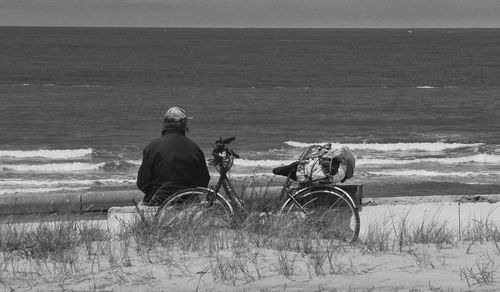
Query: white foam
51, 154
478, 158
87, 86
51, 167
431, 147
12, 183
134, 162
429, 173
244, 175
261, 163
40, 190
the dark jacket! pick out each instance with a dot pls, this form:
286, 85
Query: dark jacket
170, 163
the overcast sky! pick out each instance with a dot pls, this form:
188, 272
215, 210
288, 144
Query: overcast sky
252, 13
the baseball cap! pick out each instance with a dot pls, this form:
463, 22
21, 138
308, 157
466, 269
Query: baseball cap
176, 114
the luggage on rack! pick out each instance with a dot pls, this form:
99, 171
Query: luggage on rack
321, 163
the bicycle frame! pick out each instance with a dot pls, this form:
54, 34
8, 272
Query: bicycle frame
220, 152
228, 189
286, 193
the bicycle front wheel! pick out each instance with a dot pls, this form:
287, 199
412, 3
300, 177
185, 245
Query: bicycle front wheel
194, 205
329, 211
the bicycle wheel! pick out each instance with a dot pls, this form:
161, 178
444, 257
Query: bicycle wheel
330, 211
193, 205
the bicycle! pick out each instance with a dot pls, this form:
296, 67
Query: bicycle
328, 207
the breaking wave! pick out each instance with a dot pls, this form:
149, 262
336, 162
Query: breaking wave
478, 159
63, 183
51, 167
261, 163
64, 154
430, 173
119, 165
14, 186
40, 190
432, 147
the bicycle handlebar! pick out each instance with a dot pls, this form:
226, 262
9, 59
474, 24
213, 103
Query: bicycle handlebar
234, 153
220, 146
225, 141
222, 156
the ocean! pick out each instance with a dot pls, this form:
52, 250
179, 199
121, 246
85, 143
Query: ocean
419, 108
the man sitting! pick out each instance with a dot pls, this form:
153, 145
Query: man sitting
171, 162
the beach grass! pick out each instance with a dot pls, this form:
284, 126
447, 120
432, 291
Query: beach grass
255, 247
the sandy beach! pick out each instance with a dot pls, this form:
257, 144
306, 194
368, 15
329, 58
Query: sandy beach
417, 268
420, 268
426, 254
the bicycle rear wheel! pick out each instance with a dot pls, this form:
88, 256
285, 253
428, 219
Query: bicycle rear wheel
330, 212
193, 205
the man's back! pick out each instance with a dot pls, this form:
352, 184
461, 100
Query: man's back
170, 163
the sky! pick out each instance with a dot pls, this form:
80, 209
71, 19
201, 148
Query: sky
252, 13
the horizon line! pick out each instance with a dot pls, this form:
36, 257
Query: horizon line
249, 27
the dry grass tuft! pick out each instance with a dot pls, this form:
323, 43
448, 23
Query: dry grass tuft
237, 253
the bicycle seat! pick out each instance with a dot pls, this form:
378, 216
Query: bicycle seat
287, 170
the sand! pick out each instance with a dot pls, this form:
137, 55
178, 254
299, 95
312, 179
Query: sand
121, 265
419, 268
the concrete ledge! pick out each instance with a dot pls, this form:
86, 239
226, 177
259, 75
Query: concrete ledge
12, 204
101, 201
37, 203
458, 212
455, 216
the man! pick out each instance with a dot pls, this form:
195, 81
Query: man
171, 162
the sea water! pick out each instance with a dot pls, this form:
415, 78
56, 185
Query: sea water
420, 109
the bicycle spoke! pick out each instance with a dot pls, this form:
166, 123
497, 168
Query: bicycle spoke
330, 213
332, 206
194, 206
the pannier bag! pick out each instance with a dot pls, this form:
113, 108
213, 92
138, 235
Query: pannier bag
321, 163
